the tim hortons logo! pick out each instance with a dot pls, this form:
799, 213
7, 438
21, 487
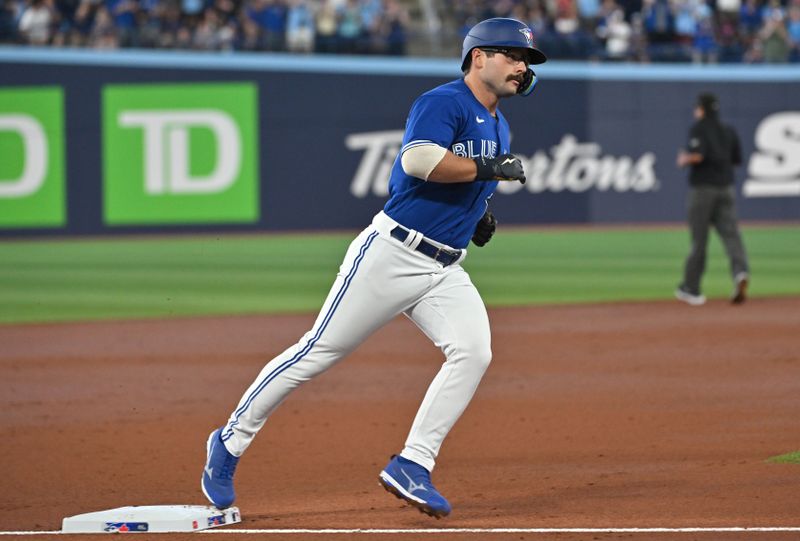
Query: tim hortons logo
774, 168
570, 166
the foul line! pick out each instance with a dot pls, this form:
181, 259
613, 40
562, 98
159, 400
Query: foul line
331, 531
511, 530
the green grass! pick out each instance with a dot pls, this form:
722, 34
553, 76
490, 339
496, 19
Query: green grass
81, 279
788, 458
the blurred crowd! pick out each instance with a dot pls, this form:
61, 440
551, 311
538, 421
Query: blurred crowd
324, 26
700, 31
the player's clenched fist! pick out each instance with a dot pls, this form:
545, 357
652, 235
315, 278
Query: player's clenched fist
503, 167
484, 229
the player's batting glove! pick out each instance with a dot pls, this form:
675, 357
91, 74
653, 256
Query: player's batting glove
528, 83
484, 229
503, 167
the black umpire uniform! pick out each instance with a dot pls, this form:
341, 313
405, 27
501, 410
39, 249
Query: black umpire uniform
712, 153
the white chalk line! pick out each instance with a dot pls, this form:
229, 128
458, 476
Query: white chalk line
510, 530
374, 531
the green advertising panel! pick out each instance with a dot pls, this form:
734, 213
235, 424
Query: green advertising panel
32, 164
180, 153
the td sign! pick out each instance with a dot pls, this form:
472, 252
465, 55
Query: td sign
32, 157
180, 154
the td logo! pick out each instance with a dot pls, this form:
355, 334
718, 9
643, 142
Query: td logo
166, 149
32, 151
180, 154
33, 155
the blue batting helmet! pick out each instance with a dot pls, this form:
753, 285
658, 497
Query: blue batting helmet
501, 32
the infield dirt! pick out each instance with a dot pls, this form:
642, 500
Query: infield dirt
599, 416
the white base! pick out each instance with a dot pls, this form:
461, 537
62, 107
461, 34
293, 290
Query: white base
151, 518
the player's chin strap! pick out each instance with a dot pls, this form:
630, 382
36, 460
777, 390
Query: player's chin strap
528, 83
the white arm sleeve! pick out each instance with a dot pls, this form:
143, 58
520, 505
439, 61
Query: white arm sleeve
418, 161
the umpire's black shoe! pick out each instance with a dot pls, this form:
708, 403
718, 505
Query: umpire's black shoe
740, 292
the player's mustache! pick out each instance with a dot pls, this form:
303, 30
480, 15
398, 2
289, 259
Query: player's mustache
517, 78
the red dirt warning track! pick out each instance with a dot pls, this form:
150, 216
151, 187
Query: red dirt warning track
600, 416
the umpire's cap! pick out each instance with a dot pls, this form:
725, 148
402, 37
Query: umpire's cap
501, 32
709, 103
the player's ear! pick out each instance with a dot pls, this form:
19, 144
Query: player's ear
478, 57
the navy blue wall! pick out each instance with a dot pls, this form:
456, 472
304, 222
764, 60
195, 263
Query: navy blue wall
308, 171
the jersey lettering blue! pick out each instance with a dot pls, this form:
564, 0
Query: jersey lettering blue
449, 116
488, 149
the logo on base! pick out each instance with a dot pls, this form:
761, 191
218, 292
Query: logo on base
216, 520
126, 527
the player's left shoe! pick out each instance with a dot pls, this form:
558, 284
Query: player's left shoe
218, 472
693, 299
411, 482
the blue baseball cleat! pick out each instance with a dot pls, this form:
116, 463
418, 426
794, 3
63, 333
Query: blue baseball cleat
218, 473
411, 482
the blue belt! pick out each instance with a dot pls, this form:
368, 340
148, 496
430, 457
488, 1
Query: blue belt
442, 255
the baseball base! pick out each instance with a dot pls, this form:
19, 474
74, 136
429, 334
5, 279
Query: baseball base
151, 519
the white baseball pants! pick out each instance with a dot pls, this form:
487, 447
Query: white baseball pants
380, 278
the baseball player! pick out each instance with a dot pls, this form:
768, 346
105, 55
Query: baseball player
408, 260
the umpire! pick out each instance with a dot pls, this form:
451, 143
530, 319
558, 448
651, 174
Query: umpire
711, 155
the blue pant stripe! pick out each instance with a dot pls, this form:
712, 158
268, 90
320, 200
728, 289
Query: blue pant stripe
299, 355
318, 334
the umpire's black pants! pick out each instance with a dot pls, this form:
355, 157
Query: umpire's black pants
706, 206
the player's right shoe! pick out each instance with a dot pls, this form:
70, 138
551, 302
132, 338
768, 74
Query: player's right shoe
694, 299
411, 482
217, 483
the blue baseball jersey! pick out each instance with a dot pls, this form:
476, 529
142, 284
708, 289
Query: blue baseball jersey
451, 117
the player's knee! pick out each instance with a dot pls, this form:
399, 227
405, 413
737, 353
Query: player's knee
480, 356
473, 353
